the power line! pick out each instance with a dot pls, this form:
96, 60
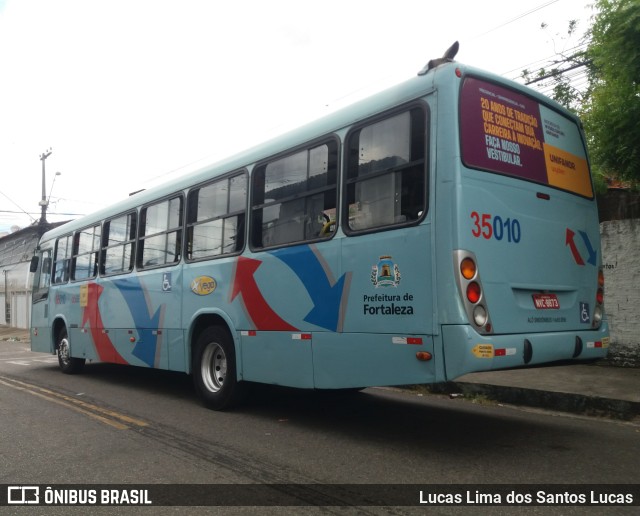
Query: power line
555, 73
51, 212
576, 50
520, 16
16, 204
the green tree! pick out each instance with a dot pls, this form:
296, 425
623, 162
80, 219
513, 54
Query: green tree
611, 109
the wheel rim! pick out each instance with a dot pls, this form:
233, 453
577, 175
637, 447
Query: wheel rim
63, 351
214, 367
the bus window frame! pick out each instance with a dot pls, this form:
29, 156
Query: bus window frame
66, 261
188, 226
328, 139
45, 258
74, 252
180, 229
419, 104
132, 241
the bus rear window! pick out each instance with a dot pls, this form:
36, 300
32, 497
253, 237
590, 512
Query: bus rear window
508, 133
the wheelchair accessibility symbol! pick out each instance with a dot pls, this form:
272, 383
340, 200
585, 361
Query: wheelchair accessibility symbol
166, 282
585, 317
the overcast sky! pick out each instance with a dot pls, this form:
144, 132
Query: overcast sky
129, 93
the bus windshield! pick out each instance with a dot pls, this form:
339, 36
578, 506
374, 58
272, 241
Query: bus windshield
506, 132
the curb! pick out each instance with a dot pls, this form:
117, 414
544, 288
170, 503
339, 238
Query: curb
561, 401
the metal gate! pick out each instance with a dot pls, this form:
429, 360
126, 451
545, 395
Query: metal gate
20, 309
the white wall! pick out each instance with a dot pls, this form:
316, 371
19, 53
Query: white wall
621, 261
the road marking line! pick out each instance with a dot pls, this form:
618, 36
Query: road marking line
47, 360
99, 413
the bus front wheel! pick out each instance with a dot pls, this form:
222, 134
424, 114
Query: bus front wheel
68, 364
214, 369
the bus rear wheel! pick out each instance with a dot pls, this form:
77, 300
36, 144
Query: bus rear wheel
214, 369
68, 364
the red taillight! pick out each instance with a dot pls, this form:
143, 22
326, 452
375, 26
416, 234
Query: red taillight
473, 292
600, 296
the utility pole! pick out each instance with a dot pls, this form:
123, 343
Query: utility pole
43, 203
7, 305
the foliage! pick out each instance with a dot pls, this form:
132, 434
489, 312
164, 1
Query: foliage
612, 111
600, 182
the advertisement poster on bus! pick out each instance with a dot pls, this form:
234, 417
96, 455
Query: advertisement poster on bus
509, 133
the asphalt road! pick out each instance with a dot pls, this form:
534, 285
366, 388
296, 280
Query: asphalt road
115, 424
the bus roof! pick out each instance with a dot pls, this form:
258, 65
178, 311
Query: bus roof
397, 95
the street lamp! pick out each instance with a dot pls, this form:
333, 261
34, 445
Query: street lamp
43, 203
53, 183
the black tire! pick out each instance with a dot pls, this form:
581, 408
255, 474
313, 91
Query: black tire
214, 370
68, 364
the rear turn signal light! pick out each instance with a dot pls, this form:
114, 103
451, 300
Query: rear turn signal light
468, 268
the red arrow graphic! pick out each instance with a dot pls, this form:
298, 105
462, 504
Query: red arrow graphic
572, 245
262, 315
91, 314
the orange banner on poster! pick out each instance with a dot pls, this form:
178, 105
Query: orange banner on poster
567, 171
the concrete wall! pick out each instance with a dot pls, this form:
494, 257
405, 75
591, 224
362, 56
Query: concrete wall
621, 261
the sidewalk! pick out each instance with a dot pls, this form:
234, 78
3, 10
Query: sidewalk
590, 389
8, 333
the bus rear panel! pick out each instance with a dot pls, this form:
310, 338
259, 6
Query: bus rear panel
526, 242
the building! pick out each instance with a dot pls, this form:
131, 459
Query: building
16, 250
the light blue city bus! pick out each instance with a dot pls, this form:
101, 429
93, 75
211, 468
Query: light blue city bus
444, 226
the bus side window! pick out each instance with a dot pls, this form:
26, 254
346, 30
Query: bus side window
215, 218
45, 272
294, 197
42, 280
160, 233
62, 259
386, 172
61, 272
118, 241
85, 253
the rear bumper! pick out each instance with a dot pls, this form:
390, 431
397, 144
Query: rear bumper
466, 351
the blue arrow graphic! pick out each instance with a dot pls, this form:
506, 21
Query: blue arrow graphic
145, 347
326, 297
593, 254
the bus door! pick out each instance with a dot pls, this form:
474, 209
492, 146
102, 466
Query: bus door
41, 338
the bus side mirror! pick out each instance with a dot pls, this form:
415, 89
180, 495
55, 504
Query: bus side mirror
34, 264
